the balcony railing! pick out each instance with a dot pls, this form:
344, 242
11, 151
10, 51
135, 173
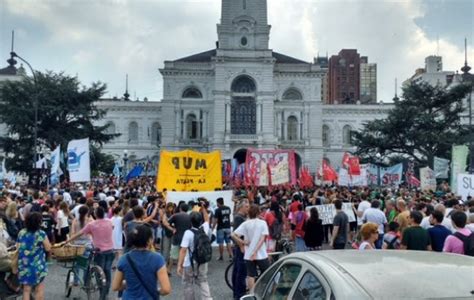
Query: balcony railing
243, 137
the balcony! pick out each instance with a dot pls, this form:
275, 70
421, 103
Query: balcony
293, 142
243, 138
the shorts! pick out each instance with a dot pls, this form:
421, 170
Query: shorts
353, 226
252, 265
174, 253
223, 235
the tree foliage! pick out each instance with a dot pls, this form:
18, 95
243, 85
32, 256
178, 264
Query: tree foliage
424, 124
66, 111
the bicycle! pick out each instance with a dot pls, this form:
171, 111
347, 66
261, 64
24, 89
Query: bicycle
284, 245
95, 280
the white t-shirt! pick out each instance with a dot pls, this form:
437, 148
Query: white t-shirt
62, 218
75, 211
362, 207
375, 215
67, 198
253, 230
117, 236
188, 242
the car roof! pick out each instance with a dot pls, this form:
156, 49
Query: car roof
398, 274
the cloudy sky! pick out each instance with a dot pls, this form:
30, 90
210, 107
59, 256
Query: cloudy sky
103, 40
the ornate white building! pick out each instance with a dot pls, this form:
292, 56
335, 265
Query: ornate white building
239, 95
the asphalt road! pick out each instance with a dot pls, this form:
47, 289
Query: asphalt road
55, 283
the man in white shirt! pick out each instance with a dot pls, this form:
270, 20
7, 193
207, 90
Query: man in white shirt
67, 197
363, 205
254, 232
194, 274
376, 216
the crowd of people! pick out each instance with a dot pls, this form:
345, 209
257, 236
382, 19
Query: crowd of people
141, 239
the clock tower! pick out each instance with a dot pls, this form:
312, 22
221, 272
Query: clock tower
244, 25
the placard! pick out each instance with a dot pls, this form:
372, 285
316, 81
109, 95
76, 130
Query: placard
327, 212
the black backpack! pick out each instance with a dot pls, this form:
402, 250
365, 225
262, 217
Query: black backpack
35, 207
202, 247
276, 229
468, 243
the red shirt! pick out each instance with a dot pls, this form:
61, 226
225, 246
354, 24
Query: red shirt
294, 206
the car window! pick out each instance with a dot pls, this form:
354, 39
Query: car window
310, 288
281, 284
265, 279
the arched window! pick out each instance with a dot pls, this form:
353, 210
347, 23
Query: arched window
111, 128
156, 133
192, 93
326, 136
292, 94
192, 128
292, 134
244, 85
346, 135
133, 133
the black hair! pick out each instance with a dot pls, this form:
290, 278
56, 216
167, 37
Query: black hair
393, 226
99, 213
314, 214
83, 211
103, 204
138, 212
133, 203
33, 222
416, 216
196, 219
275, 207
117, 210
459, 219
220, 201
82, 200
438, 216
140, 236
375, 204
338, 204
45, 208
184, 207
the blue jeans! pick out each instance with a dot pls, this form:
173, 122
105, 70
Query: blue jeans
300, 244
105, 260
379, 242
239, 273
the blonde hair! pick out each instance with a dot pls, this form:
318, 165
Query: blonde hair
11, 210
367, 230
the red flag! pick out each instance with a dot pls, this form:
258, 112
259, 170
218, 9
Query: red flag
413, 181
305, 180
354, 166
328, 172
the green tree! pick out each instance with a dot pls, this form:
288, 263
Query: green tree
424, 124
66, 111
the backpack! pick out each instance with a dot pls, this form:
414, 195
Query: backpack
276, 229
202, 247
35, 207
468, 243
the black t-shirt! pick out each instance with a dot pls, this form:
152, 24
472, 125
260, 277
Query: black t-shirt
182, 222
238, 219
222, 214
48, 223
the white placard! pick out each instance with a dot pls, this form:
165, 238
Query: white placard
328, 211
465, 185
78, 160
175, 197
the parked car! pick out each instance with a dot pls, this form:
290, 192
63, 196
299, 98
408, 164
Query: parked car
349, 274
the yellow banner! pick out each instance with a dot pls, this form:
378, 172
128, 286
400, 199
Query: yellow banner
189, 171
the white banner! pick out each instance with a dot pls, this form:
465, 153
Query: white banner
328, 211
175, 197
78, 160
280, 173
55, 155
344, 179
465, 185
427, 179
263, 173
441, 167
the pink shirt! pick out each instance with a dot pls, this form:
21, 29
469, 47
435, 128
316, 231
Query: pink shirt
455, 245
101, 232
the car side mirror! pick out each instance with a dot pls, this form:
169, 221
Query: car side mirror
248, 297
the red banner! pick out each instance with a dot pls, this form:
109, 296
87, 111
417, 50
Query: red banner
270, 167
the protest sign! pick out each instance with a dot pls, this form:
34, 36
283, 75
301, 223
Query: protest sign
175, 197
189, 170
345, 179
441, 167
78, 161
427, 179
465, 185
391, 176
280, 163
459, 163
328, 211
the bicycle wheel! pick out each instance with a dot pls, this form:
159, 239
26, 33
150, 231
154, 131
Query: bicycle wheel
228, 275
95, 283
69, 283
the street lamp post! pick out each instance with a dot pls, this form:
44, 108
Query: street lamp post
125, 160
378, 157
35, 105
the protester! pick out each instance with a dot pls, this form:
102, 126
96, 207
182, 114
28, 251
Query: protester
254, 231
415, 237
62, 221
370, 234
314, 232
32, 246
222, 222
438, 233
167, 235
341, 227
239, 271
141, 269
300, 218
275, 222
376, 216
117, 233
461, 240
392, 237
194, 274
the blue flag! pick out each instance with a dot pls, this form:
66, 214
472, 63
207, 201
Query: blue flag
135, 172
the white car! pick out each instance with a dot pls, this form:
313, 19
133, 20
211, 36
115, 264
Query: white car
375, 274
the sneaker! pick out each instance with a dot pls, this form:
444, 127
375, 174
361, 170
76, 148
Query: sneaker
220, 258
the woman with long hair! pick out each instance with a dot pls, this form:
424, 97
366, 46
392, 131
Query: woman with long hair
273, 215
314, 231
62, 220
